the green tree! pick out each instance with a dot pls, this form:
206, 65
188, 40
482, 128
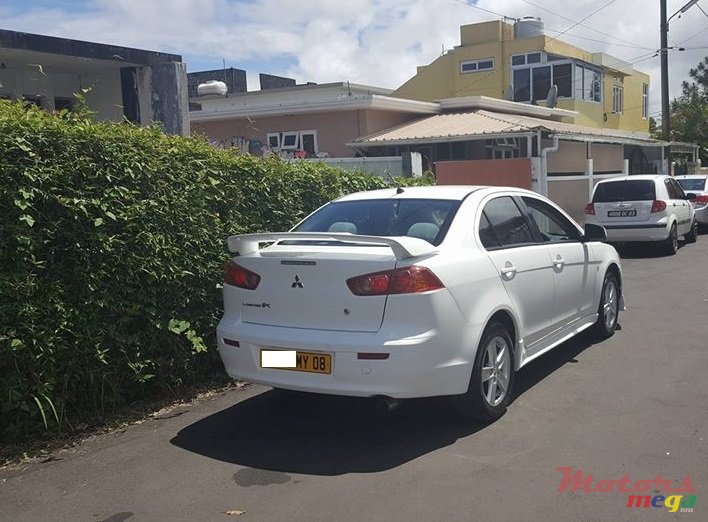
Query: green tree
689, 112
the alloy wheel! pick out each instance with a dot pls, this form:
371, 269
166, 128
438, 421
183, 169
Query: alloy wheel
610, 307
496, 371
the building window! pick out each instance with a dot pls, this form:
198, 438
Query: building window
304, 141
588, 83
526, 59
470, 66
503, 148
541, 83
617, 99
645, 100
563, 79
543, 78
273, 140
289, 140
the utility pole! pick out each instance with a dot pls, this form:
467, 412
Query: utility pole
664, 26
665, 115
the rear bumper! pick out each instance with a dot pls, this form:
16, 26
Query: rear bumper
641, 233
425, 364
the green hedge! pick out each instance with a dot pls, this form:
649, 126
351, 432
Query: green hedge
111, 254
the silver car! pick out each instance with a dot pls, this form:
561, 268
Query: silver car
697, 186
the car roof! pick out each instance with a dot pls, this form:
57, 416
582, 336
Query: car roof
448, 192
638, 177
692, 176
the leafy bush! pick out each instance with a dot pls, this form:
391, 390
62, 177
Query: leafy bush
111, 249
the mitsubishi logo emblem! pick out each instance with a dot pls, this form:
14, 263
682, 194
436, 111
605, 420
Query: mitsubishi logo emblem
297, 283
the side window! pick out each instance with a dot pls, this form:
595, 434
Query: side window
670, 189
552, 225
507, 222
680, 194
486, 234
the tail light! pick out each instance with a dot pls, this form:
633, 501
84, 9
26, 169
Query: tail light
590, 209
701, 200
241, 277
658, 206
408, 280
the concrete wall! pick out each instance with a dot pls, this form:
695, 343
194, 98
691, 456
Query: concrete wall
104, 96
235, 79
571, 157
334, 129
500, 173
571, 196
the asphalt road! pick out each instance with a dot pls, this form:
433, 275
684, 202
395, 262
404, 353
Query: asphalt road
635, 404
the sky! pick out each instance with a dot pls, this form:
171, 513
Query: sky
373, 42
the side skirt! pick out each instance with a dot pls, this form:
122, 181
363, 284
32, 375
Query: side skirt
561, 337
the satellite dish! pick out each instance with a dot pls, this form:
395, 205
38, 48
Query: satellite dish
509, 93
552, 97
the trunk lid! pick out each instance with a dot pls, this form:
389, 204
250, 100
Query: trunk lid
305, 287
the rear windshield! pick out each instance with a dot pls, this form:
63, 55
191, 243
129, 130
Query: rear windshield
692, 183
426, 219
631, 190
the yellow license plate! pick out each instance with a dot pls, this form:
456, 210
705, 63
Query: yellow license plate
311, 362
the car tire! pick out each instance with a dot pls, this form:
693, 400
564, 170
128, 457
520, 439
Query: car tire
608, 310
692, 235
486, 399
670, 244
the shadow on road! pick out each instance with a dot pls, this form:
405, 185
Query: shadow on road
642, 250
325, 435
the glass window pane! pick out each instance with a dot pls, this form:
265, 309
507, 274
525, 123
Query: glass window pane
509, 225
624, 190
485, 65
308, 144
551, 223
596, 86
384, 217
522, 85
533, 58
486, 234
541, 82
519, 59
578, 82
563, 78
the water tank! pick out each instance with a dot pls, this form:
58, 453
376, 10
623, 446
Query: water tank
212, 87
528, 27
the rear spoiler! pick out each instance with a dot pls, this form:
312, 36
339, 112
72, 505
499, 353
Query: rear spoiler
402, 246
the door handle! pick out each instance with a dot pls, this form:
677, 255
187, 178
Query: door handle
559, 262
509, 270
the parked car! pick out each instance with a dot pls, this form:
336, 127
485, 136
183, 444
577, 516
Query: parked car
643, 208
416, 292
696, 188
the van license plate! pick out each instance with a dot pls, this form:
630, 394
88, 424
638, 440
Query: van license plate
311, 362
622, 213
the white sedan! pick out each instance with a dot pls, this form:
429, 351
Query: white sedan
416, 292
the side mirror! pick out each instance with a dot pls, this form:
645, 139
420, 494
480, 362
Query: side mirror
691, 196
594, 233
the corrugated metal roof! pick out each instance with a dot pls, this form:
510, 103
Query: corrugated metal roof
482, 122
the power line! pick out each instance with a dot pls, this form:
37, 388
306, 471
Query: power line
475, 6
586, 18
570, 35
702, 11
631, 44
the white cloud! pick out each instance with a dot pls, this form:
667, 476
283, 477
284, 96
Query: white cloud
379, 42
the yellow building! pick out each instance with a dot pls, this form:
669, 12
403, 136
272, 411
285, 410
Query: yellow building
520, 63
